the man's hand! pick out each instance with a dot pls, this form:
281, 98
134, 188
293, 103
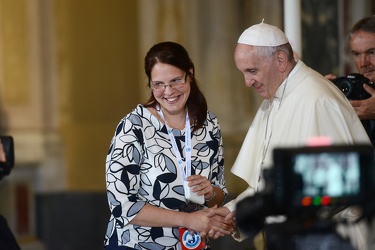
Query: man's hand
330, 77
365, 109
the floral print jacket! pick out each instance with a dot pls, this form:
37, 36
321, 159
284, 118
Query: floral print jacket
141, 168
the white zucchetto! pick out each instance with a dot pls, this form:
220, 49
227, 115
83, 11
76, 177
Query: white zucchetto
263, 34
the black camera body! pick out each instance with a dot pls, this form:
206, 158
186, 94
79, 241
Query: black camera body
352, 86
8, 147
309, 185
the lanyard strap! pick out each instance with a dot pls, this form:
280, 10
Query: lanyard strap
187, 171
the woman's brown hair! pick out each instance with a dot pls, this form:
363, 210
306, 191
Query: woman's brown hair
177, 56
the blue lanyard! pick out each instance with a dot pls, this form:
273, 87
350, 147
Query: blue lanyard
187, 171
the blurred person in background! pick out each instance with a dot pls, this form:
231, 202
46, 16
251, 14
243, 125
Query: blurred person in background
2, 153
7, 239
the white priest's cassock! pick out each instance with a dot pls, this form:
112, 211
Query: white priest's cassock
306, 105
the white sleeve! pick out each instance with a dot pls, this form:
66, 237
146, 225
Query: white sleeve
231, 205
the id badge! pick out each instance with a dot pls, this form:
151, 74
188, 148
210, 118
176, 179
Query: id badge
191, 241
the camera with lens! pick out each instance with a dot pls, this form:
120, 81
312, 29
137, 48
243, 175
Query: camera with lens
8, 147
352, 86
307, 187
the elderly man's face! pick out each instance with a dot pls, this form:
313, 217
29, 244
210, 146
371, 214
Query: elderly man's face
362, 45
259, 71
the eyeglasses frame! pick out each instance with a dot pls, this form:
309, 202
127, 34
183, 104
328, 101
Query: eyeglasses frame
173, 84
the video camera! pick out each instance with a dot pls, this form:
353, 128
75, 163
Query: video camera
352, 86
8, 147
309, 185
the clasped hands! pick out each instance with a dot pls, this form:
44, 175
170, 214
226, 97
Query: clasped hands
212, 222
222, 222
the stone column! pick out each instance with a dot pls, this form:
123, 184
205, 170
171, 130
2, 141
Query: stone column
28, 112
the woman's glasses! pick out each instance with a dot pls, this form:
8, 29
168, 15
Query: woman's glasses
175, 84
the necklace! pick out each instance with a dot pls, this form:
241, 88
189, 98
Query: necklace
180, 127
177, 127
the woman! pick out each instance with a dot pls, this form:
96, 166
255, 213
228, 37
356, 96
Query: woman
162, 145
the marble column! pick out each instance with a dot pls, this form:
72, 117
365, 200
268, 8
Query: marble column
28, 109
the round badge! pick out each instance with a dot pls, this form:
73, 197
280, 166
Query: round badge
191, 241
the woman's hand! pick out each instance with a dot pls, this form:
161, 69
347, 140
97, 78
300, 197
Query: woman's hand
202, 186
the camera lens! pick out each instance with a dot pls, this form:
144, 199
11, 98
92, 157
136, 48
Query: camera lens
346, 87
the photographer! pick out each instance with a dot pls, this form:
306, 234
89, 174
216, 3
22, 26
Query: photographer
7, 239
362, 46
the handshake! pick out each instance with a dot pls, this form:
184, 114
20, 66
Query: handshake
213, 222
